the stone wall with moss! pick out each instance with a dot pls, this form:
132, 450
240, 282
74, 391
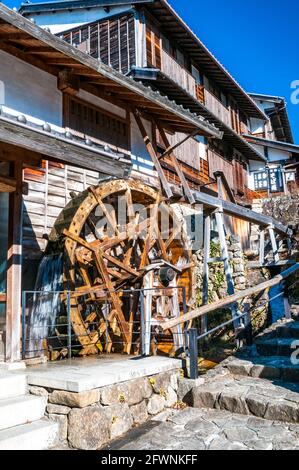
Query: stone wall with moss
242, 277
89, 420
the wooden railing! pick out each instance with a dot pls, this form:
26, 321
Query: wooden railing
196, 177
178, 73
200, 93
216, 107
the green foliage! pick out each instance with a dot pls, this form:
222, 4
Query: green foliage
215, 250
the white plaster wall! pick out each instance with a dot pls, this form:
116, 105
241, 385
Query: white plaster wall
62, 20
140, 157
29, 90
256, 126
275, 155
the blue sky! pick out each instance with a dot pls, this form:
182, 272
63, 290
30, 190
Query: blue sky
256, 41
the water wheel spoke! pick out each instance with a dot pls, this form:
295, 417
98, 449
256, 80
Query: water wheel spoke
108, 252
114, 297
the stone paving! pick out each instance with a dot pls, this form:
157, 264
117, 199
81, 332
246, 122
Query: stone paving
203, 429
245, 403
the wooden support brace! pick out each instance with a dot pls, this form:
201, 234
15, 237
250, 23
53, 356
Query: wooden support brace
227, 268
274, 244
176, 165
153, 155
207, 249
262, 247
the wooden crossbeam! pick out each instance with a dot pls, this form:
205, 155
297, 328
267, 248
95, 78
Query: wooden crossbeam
176, 165
153, 155
172, 148
222, 303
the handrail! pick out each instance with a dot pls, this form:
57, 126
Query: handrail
199, 312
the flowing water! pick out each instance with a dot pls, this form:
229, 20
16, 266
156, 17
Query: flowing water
46, 304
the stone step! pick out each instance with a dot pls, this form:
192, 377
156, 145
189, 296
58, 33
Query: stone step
21, 410
12, 385
39, 435
276, 346
289, 330
277, 401
268, 367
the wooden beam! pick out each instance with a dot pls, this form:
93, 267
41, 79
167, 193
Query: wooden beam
48, 40
262, 247
240, 212
219, 304
153, 155
274, 244
7, 184
14, 270
59, 148
172, 148
176, 165
205, 274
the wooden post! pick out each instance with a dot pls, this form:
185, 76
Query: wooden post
225, 259
205, 287
176, 165
199, 312
274, 244
153, 155
262, 247
14, 270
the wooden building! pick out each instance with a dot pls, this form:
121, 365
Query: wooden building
90, 89
59, 134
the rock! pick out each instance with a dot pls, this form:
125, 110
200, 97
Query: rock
261, 371
171, 397
156, 404
239, 434
132, 392
238, 268
62, 425
58, 409
139, 412
233, 400
201, 427
39, 391
160, 382
120, 419
257, 404
206, 396
88, 428
174, 378
75, 400
282, 411
239, 367
240, 280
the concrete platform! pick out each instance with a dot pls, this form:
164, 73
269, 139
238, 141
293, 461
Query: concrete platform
82, 374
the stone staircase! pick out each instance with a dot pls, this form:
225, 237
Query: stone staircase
22, 422
262, 381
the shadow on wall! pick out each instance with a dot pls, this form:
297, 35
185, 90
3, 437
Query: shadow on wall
32, 253
2, 93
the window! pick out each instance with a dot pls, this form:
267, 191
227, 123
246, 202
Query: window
95, 122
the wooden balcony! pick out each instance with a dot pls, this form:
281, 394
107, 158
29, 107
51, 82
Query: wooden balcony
178, 73
196, 177
216, 107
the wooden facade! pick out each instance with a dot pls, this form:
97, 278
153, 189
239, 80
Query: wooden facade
106, 117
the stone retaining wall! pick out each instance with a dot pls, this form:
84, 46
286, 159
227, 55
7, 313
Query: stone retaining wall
88, 420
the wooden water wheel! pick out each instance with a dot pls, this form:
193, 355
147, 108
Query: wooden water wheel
118, 238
